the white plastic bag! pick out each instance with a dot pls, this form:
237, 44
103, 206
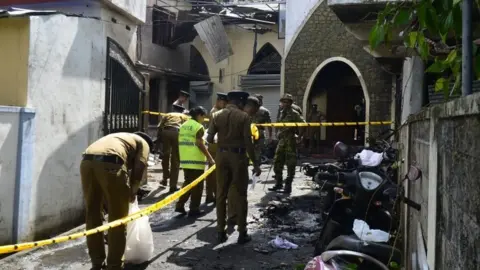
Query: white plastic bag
363, 231
139, 248
369, 158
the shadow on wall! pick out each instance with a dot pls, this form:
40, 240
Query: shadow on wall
60, 181
8, 159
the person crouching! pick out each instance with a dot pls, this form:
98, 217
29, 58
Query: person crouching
193, 157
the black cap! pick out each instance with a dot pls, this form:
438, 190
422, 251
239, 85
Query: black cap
147, 138
238, 95
184, 93
222, 96
178, 108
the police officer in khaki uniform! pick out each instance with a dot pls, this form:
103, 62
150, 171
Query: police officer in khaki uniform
112, 169
168, 136
251, 108
262, 116
211, 181
182, 100
234, 141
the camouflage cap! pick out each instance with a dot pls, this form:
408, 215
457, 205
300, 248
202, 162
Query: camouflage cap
287, 97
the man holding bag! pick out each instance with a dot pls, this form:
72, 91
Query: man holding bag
112, 168
193, 157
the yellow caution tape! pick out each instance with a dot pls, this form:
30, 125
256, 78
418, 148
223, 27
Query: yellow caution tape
321, 124
326, 124
146, 211
159, 113
255, 132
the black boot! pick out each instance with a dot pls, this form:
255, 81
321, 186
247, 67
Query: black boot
244, 238
288, 186
222, 237
278, 185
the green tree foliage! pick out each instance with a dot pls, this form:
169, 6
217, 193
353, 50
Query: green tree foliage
433, 28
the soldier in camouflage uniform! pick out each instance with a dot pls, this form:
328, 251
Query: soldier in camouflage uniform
286, 152
262, 117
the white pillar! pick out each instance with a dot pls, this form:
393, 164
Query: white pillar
412, 86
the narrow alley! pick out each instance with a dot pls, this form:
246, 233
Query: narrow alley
186, 243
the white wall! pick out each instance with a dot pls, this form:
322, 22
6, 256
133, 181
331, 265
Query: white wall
412, 86
66, 86
8, 165
297, 11
135, 9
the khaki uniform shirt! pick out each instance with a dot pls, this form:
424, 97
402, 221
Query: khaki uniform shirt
172, 120
233, 128
129, 147
262, 117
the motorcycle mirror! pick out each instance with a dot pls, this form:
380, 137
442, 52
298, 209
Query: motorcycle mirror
414, 173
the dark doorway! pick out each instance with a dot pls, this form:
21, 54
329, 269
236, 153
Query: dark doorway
266, 61
339, 96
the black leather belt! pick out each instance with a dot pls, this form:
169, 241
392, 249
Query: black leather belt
109, 159
236, 150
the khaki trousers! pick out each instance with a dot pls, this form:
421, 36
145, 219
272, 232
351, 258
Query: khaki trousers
109, 182
171, 156
232, 183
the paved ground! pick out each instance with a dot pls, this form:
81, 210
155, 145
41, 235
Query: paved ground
185, 243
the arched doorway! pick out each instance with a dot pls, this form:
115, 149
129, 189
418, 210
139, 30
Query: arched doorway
339, 91
266, 61
263, 77
201, 91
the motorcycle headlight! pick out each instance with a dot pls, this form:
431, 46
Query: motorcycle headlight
370, 180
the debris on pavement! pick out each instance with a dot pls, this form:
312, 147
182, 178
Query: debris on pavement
279, 242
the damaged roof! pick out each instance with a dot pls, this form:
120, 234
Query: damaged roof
18, 12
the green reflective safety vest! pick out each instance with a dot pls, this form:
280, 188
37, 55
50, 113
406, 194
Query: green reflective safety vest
190, 155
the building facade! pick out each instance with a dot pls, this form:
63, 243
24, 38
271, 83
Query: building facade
63, 79
327, 65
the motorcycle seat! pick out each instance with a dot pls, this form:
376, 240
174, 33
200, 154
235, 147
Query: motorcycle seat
380, 251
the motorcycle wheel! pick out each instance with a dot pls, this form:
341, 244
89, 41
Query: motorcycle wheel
330, 230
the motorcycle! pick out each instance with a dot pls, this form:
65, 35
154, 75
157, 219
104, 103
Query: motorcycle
347, 162
343, 248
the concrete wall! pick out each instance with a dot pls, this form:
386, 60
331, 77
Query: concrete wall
323, 37
14, 35
242, 44
67, 86
132, 9
9, 123
443, 141
159, 56
297, 11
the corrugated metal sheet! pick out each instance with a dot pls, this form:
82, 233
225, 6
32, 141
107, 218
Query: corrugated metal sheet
259, 81
202, 93
267, 85
213, 35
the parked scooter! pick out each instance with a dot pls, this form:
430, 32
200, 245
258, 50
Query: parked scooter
338, 244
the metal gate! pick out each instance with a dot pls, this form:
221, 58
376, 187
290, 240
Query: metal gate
124, 92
